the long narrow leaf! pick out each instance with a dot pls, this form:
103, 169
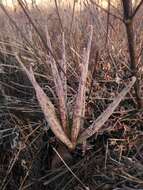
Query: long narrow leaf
59, 89
47, 107
80, 100
99, 122
64, 66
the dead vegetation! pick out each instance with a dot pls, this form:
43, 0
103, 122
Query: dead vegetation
71, 104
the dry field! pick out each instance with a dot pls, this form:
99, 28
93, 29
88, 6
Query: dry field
71, 105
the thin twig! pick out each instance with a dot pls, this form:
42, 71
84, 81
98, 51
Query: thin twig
69, 169
39, 34
110, 13
136, 10
108, 19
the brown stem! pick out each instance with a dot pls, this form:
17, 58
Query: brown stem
128, 21
108, 19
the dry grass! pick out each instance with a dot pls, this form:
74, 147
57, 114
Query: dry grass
69, 72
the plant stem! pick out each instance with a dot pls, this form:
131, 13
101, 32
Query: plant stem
128, 21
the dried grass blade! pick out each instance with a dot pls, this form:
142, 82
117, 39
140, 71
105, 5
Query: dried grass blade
80, 100
99, 122
47, 107
59, 89
64, 66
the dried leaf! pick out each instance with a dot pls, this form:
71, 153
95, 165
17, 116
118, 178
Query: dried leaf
99, 122
80, 100
59, 89
64, 66
47, 108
